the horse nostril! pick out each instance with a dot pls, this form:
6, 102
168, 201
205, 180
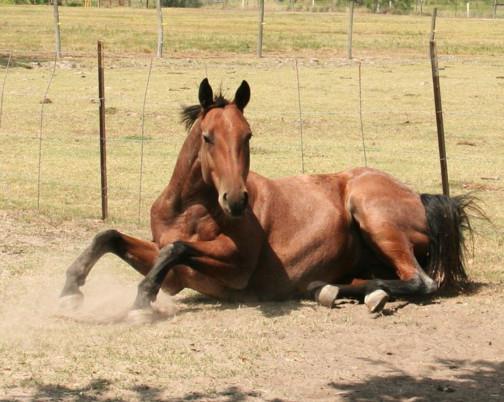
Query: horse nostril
225, 196
245, 198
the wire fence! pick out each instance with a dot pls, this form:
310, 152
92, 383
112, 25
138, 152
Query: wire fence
350, 114
452, 8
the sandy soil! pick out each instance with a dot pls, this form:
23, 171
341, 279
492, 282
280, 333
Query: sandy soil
447, 349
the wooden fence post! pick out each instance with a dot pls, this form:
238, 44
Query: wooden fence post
57, 28
301, 144
142, 142
103, 138
350, 28
438, 106
3, 86
261, 27
43, 103
360, 116
160, 37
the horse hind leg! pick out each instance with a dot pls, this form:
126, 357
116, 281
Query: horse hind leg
374, 292
138, 253
393, 247
396, 250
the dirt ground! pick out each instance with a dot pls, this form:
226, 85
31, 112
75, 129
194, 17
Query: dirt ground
447, 349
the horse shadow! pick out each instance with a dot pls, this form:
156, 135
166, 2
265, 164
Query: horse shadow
197, 302
271, 309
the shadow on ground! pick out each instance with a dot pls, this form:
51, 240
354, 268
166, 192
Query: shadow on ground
464, 380
268, 309
276, 309
100, 389
13, 62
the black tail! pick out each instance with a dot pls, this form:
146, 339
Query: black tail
447, 222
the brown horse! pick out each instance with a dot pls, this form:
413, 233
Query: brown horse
235, 235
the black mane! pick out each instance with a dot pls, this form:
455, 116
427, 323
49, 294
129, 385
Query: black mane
189, 114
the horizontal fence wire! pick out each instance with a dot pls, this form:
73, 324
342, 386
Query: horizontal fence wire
147, 123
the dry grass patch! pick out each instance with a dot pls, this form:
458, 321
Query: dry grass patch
445, 349
210, 31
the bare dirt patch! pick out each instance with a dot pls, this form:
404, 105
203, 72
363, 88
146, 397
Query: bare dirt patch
446, 349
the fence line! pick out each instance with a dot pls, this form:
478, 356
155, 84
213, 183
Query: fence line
317, 116
300, 119
360, 115
123, 189
306, 120
44, 101
137, 61
3, 87
420, 154
142, 140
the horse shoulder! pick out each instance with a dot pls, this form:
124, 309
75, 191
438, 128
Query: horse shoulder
193, 223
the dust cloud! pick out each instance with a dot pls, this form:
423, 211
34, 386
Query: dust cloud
32, 301
108, 300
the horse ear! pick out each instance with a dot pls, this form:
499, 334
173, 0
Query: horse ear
242, 95
205, 94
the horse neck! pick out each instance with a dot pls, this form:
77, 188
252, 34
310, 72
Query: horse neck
186, 184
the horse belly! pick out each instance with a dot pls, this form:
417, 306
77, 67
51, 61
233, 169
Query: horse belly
285, 271
310, 238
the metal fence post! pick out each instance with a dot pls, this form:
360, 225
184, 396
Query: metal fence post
103, 138
438, 106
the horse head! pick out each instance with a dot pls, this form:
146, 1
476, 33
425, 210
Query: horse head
224, 151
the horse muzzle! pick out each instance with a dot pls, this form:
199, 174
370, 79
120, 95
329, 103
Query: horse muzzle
234, 205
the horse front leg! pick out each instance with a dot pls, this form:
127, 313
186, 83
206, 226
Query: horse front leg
140, 254
217, 264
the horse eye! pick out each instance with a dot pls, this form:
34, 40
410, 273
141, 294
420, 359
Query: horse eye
207, 138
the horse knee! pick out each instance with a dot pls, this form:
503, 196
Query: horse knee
176, 249
106, 241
